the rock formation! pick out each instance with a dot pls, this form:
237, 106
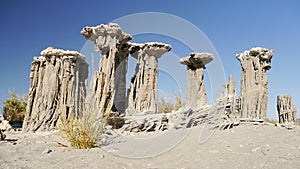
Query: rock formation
57, 88
254, 83
286, 109
107, 91
196, 94
4, 126
146, 123
232, 102
142, 95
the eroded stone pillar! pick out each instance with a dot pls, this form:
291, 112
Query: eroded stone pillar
286, 109
107, 91
196, 94
254, 84
232, 102
142, 95
57, 88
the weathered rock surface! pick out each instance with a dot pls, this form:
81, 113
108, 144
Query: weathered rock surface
297, 122
57, 88
107, 91
286, 109
187, 118
254, 83
232, 101
142, 95
2, 135
231, 115
115, 120
146, 123
4, 126
196, 94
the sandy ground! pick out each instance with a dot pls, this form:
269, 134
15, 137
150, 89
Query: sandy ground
244, 146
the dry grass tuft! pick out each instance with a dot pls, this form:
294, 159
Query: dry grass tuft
272, 121
167, 105
82, 133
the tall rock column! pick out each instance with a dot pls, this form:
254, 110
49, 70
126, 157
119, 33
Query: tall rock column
57, 88
142, 95
196, 94
232, 104
286, 109
107, 91
254, 83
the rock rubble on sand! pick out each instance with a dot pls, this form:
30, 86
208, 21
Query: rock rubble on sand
4, 126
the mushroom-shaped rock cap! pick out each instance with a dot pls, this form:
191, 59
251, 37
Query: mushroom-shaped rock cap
155, 49
263, 54
50, 51
197, 60
103, 35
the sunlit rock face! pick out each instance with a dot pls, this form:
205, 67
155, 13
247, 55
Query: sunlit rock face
107, 91
254, 84
196, 93
286, 109
57, 88
142, 95
232, 101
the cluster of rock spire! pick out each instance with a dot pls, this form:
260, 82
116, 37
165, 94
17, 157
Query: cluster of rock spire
58, 81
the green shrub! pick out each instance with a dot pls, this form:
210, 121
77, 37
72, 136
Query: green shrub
14, 108
84, 132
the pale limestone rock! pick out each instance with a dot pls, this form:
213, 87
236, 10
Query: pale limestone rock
50, 51
232, 101
254, 83
107, 91
146, 123
286, 109
297, 122
196, 94
106, 36
142, 95
4, 124
57, 88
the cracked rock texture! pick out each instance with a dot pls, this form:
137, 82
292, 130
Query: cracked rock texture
4, 126
57, 88
232, 101
196, 94
107, 91
254, 84
142, 95
286, 109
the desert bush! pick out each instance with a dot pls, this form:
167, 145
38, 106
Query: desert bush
14, 108
179, 101
84, 132
167, 105
272, 121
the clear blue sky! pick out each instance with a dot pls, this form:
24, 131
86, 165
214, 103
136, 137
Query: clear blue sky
232, 26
